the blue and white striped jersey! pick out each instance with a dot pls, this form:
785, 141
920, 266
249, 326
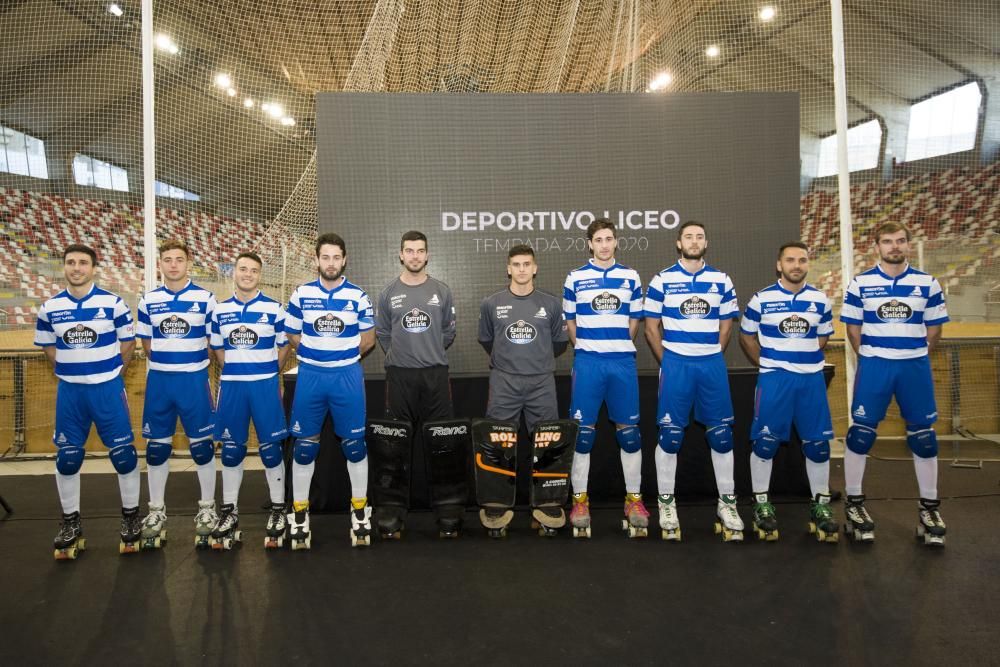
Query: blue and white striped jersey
330, 322
788, 326
178, 325
86, 333
690, 307
602, 302
250, 334
894, 313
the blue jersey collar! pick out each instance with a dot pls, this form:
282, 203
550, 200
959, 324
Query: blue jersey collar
253, 300
907, 270
680, 267
343, 281
69, 295
186, 287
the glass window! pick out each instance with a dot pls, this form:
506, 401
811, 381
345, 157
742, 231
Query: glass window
174, 192
119, 179
102, 174
945, 123
22, 154
863, 143
35, 148
83, 170
17, 157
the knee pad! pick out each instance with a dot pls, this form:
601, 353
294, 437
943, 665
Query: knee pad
124, 458
305, 451
817, 451
585, 439
158, 452
629, 439
69, 459
670, 439
922, 441
202, 451
860, 438
271, 454
354, 449
233, 454
720, 438
766, 446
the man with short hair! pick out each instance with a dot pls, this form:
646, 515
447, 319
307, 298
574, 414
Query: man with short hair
174, 329
784, 330
894, 315
88, 336
250, 346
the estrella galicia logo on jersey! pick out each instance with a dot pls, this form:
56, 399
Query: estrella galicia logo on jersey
174, 327
243, 337
894, 311
80, 337
695, 308
794, 327
416, 321
329, 325
521, 332
606, 303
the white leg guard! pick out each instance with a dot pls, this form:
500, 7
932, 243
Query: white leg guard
927, 476
128, 486
723, 466
819, 477
69, 492
632, 470
232, 479
760, 473
302, 475
580, 472
156, 479
358, 472
666, 472
206, 480
854, 472
276, 483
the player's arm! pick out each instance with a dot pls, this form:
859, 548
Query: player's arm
854, 336
127, 350
751, 347
367, 341
822, 341
729, 311
569, 308
633, 328
725, 333
654, 337
283, 356
220, 357
653, 311
557, 330
571, 332
45, 336
933, 336
50, 354
293, 340
852, 314
125, 332
383, 321
485, 327
448, 324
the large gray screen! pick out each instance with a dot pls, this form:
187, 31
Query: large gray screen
477, 173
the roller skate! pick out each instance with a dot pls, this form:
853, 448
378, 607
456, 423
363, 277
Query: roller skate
154, 527
226, 532
548, 520
131, 531
69, 542
298, 526
449, 520
729, 525
277, 526
821, 521
361, 522
859, 524
765, 519
931, 527
204, 524
636, 521
390, 522
579, 516
670, 525
495, 520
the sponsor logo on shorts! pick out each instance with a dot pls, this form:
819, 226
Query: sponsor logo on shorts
174, 327
416, 321
80, 337
894, 310
145, 428
296, 428
666, 420
860, 412
521, 332
606, 303
123, 438
695, 308
62, 438
440, 431
794, 327
378, 429
578, 415
329, 326
243, 337
225, 434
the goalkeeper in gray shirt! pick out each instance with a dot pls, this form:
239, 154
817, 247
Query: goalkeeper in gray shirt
523, 330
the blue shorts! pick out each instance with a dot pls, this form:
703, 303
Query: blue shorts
701, 383
239, 402
783, 398
597, 380
80, 405
339, 390
909, 380
169, 395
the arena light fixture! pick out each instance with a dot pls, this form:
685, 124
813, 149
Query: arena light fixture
223, 80
712, 51
115, 9
231, 92
248, 103
287, 121
767, 13
662, 80
166, 43
274, 110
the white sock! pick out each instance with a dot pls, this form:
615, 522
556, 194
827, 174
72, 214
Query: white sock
723, 466
232, 478
156, 479
128, 485
927, 476
206, 479
580, 472
819, 477
301, 479
666, 471
854, 472
632, 470
276, 483
760, 473
69, 492
358, 472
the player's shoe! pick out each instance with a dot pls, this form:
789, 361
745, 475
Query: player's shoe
931, 527
821, 521
69, 541
859, 524
131, 531
636, 521
579, 515
670, 524
361, 522
765, 519
154, 527
277, 526
226, 532
298, 526
729, 523
204, 523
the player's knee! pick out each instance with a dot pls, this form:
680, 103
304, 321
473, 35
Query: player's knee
629, 439
271, 454
233, 454
202, 451
124, 458
670, 439
817, 451
157, 452
69, 459
585, 438
766, 446
354, 449
860, 438
720, 438
305, 451
922, 441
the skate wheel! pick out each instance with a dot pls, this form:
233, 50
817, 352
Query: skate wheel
81, 544
718, 527
581, 532
813, 528
671, 534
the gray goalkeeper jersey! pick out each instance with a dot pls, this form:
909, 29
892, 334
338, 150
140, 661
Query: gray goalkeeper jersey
522, 330
414, 324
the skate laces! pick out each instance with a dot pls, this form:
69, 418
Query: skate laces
634, 505
727, 505
822, 510
764, 510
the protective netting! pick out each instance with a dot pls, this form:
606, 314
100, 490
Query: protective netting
244, 143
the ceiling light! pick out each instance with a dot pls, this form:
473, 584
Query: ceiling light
231, 92
712, 51
661, 81
248, 103
767, 13
115, 9
288, 121
223, 80
274, 110
165, 43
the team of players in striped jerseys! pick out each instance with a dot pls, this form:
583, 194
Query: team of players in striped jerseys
892, 312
